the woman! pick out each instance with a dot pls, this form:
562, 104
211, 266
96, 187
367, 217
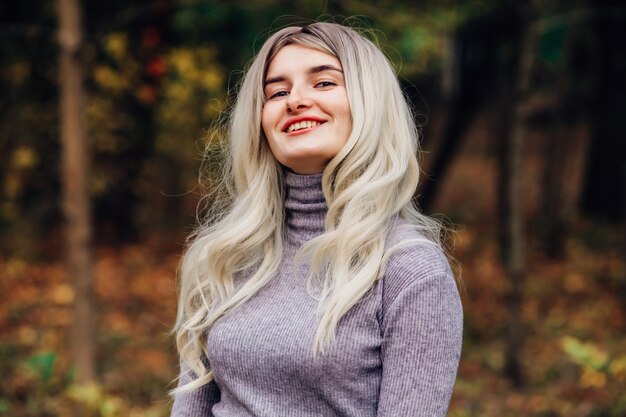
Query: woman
321, 291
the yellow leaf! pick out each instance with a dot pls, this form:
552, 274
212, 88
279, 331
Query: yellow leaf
116, 45
62, 294
618, 366
27, 335
591, 378
24, 157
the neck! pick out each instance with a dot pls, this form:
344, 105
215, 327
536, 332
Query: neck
305, 207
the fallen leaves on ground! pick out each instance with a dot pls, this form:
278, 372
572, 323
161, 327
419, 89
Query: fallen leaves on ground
573, 354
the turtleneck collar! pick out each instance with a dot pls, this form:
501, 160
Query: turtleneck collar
305, 207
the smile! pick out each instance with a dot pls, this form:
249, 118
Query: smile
305, 124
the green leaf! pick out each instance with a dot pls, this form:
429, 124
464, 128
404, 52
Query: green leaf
42, 364
5, 405
584, 353
552, 44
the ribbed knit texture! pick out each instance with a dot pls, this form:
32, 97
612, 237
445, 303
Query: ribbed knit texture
396, 352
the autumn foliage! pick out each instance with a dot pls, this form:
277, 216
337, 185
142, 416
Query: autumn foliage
157, 77
573, 357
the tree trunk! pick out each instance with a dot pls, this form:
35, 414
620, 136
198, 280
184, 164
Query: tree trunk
516, 242
460, 108
554, 219
76, 204
603, 196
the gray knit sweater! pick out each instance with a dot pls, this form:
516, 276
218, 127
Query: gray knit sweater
396, 352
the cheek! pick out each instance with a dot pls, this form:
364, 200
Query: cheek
347, 120
264, 121
343, 109
267, 126
269, 119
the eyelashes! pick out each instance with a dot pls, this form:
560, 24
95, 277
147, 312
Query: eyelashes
281, 93
326, 84
285, 92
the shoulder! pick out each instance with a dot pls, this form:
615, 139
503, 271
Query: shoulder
412, 260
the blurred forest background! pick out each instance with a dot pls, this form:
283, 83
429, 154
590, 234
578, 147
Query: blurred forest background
523, 112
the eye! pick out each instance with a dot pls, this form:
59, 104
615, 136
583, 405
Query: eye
325, 84
277, 94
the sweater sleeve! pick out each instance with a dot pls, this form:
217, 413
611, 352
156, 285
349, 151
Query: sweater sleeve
422, 333
196, 403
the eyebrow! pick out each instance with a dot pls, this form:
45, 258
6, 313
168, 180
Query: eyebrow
312, 70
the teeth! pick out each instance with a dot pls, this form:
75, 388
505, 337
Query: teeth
306, 124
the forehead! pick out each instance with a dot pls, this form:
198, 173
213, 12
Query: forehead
293, 58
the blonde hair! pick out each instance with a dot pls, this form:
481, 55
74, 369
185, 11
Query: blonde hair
367, 185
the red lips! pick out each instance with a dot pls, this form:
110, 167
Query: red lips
298, 119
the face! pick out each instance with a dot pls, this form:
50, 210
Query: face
306, 116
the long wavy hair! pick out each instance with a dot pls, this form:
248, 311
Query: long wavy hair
367, 185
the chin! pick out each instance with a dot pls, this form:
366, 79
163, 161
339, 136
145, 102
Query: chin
304, 167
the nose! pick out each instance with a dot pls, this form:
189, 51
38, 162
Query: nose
298, 99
